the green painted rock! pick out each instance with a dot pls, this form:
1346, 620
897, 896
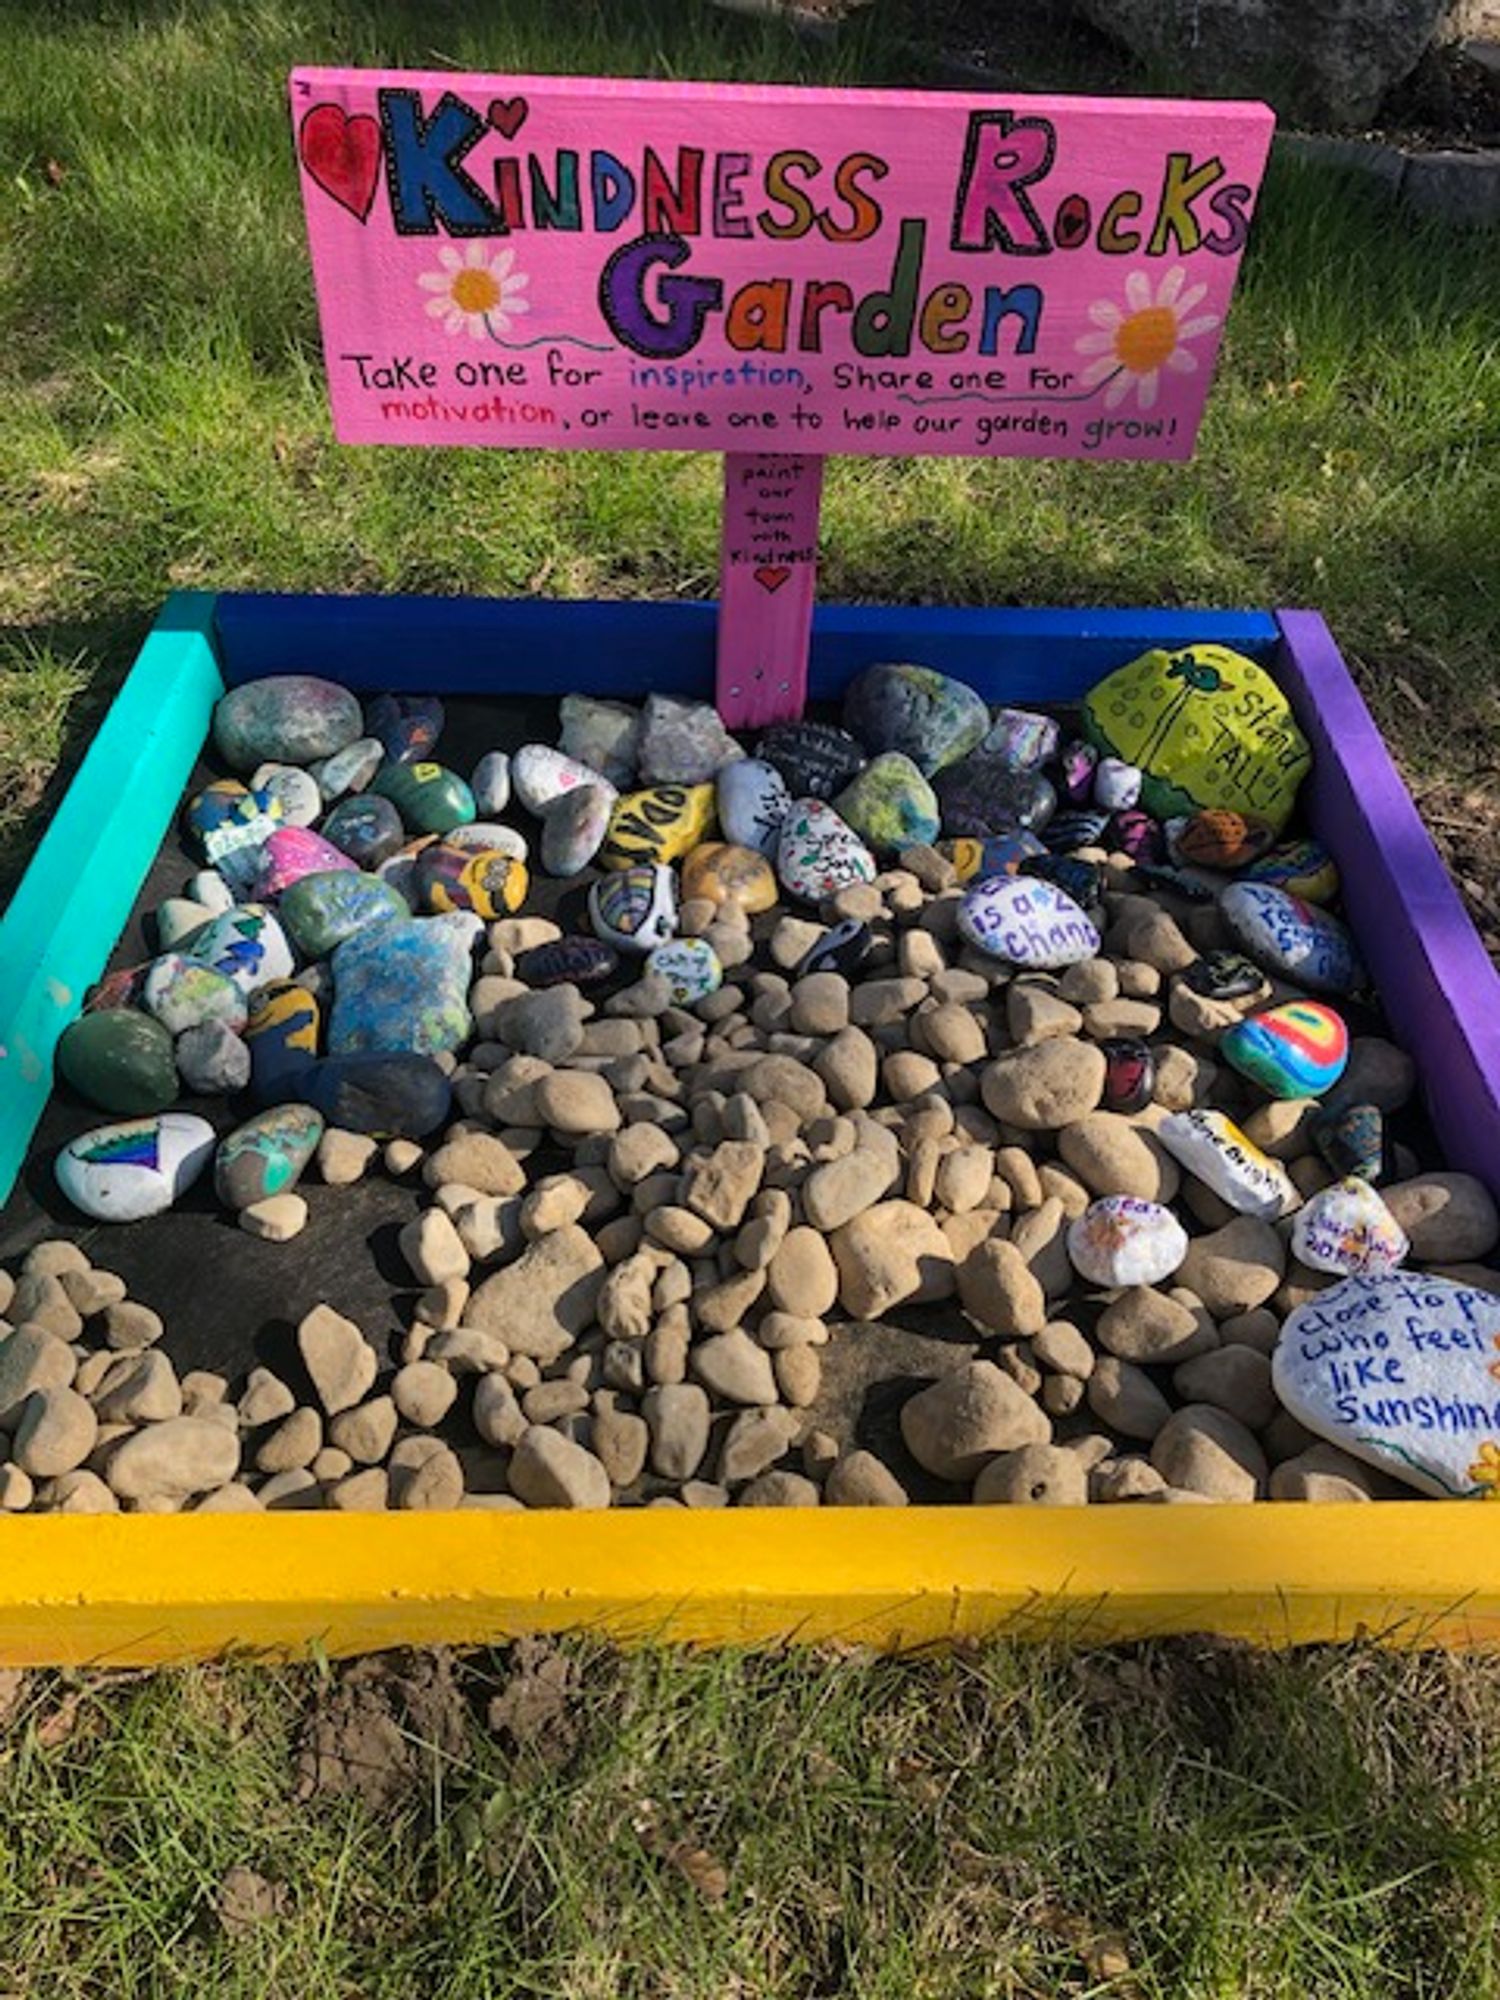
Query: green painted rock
429, 797
266, 1156
890, 804
285, 719
119, 1060
321, 910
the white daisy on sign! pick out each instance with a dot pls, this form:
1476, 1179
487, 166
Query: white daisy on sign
1132, 346
474, 292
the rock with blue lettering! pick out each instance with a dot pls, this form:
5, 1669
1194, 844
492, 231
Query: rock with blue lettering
1291, 938
684, 742
753, 800
366, 827
407, 726
123, 1173
321, 910
285, 719
932, 718
815, 759
982, 795
819, 853
1348, 1229
890, 805
1026, 922
1398, 1370
403, 988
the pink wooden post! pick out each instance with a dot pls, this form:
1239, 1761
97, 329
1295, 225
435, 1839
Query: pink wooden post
767, 581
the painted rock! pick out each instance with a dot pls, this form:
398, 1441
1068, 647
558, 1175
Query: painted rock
1295, 939
539, 775
291, 853
180, 992
1351, 1138
367, 828
932, 718
1082, 880
1225, 975
1348, 1229
177, 918
635, 908
658, 824
1214, 1148
1020, 738
1301, 867
491, 835
490, 782
282, 1037
429, 797
753, 801
123, 1173
1078, 826
1176, 882
691, 966
568, 961
212, 1060
320, 911
1216, 838
119, 1060
209, 888
286, 719
1117, 785
231, 825
605, 735
1001, 854
844, 947
1299, 1049
1399, 1371
1026, 922
266, 1155
247, 943
120, 988
819, 853
1207, 727
404, 989
683, 742
983, 795
1130, 1073
455, 878
385, 1096
890, 804
406, 726
1136, 833
720, 873
1077, 763
352, 769
1121, 1240
815, 759
573, 829
298, 797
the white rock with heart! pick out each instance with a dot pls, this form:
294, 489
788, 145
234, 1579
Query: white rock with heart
540, 775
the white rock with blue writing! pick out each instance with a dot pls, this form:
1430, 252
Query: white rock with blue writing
1214, 1148
1399, 1370
1348, 1229
1026, 922
1283, 934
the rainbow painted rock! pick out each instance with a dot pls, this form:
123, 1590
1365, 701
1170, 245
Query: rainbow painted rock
890, 804
635, 908
691, 968
1122, 1240
720, 873
123, 1173
657, 824
1218, 838
320, 911
405, 725
246, 942
452, 878
120, 1060
292, 852
1299, 1049
1213, 1148
1301, 867
1295, 939
429, 797
282, 1036
1348, 1229
284, 719
1026, 922
568, 961
367, 828
819, 853
1207, 727
1002, 854
266, 1155
403, 988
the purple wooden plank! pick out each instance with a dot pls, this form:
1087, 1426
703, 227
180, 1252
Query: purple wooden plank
1440, 990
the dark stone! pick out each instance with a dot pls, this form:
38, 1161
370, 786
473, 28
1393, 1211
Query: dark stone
366, 827
388, 1097
1130, 1073
1135, 832
816, 759
982, 795
573, 961
1352, 1141
1174, 882
1079, 826
1082, 880
120, 1060
1224, 975
406, 725
928, 716
844, 949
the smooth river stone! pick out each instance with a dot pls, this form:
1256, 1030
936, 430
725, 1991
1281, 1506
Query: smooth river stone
384, 1096
246, 943
1213, 1148
367, 828
120, 1060
683, 742
635, 908
690, 966
297, 794
1021, 738
725, 875
605, 735
753, 801
209, 888
429, 797
212, 1060
1117, 785
1121, 1240
1301, 867
983, 795
320, 911
1026, 922
282, 1037
539, 775
1001, 854
1130, 1073
815, 759
181, 992
1349, 1230
405, 725
291, 853
122, 1173
661, 823
934, 719
456, 878
266, 1155
177, 918
1295, 939
1215, 838
286, 719
573, 829
819, 853
568, 961
489, 781
1399, 1371
1351, 1138
1299, 1049
890, 805
404, 989
352, 769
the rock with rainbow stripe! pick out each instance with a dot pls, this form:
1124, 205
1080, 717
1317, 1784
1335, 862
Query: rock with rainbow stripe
122, 1173
1299, 1049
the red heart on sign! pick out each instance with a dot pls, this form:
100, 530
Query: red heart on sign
508, 115
771, 578
342, 155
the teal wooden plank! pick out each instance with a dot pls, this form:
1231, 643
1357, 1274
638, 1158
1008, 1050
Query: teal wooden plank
76, 896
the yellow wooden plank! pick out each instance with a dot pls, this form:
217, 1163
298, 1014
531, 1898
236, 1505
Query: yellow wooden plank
151, 1589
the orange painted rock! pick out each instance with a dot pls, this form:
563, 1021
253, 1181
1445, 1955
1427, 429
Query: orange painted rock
1220, 838
722, 873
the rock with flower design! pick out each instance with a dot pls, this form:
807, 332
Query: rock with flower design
1123, 1240
930, 717
819, 853
123, 1173
284, 719
429, 797
1400, 1371
1348, 1229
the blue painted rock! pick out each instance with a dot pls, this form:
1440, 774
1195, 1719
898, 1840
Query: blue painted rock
123, 1173
405, 725
1082, 880
635, 908
1225, 975
1299, 1049
1117, 785
540, 775
1348, 1229
1215, 838
1020, 738
1136, 833
282, 1037
247, 943
691, 968
457, 878
890, 805
728, 876
568, 961
212, 1060
286, 719
1077, 765
320, 911
683, 742
297, 794
367, 828
181, 992
1301, 867
1026, 922
819, 853
983, 795
661, 823
119, 1060
1121, 1240
387, 1097
491, 835
291, 853
845, 947
1213, 1148
266, 1155
404, 989
1351, 1138
429, 797
605, 735
1000, 854
1295, 939
815, 759
231, 824
934, 719
1077, 826
489, 781
1129, 1075
753, 801
351, 769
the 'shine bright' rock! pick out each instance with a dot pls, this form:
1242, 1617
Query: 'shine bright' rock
1347, 1228
1215, 1149
1122, 1240
1026, 922
122, 1173
1296, 939
819, 853
1299, 1049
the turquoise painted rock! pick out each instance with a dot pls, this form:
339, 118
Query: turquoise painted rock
285, 719
404, 989
367, 828
1297, 940
291, 853
605, 735
320, 911
405, 725
890, 804
295, 791
182, 992
1299, 1049
819, 853
932, 718
266, 1155
123, 1173
119, 1060
246, 943
429, 797
282, 1037
387, 1097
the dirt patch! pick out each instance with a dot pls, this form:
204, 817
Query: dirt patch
539, 1708
246, 1899
374, 1730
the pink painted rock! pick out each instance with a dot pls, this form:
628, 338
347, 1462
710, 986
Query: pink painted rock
292, 852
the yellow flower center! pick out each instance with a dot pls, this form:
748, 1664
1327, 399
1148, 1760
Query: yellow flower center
1145, 340
475, 291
